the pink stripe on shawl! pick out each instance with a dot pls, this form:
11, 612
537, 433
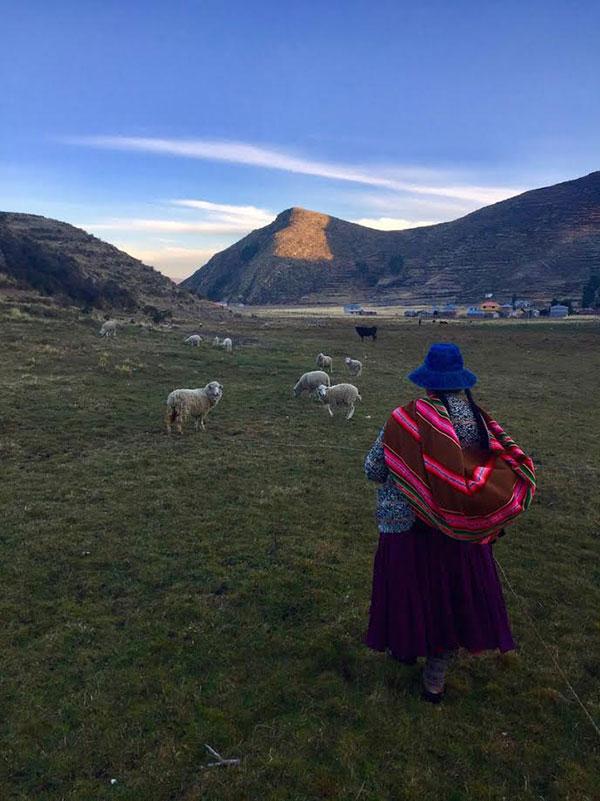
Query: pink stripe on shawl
431, 414
407, 423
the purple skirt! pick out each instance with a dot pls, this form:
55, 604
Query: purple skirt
432, 593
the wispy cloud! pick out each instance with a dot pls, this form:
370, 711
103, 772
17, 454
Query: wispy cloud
392, 223
253, 155
171, 226
194, 222
171, 252
251, 213
176, 262
394, 204
212, 218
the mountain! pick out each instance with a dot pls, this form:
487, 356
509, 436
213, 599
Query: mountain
540, 244
57, 259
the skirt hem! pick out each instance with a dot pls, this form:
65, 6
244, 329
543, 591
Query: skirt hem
432, 593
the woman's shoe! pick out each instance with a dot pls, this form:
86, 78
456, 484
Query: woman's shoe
433, 698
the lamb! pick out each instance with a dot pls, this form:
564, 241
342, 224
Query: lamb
354, 366
226, 343
196, 403
109, 329
194, 340
324, 362
309, 382
339, 395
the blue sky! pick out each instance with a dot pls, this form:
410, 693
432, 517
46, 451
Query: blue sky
173, 128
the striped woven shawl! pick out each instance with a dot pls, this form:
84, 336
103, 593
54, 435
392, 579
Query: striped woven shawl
467, 494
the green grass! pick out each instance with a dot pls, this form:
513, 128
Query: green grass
162, 593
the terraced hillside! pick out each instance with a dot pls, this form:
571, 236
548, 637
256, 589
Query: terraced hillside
542, 243
58, 259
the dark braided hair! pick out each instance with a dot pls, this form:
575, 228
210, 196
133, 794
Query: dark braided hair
484, 439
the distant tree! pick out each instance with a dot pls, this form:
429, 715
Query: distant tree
590, 297
216, 290
369, 274
248, 252
157, 315
114, 294
396, 264
513, 301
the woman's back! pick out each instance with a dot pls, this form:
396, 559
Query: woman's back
443, 459
393, 512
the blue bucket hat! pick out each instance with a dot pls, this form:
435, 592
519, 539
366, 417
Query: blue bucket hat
443, 369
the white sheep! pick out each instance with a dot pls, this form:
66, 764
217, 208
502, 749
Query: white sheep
339, 395
109, 329
324, 362
354, 366
227, 344
194, 340
216, 342
309, 382
196, 403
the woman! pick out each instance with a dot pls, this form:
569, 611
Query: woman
452, 479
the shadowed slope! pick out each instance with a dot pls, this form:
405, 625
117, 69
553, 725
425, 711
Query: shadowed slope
541, 243
58, 259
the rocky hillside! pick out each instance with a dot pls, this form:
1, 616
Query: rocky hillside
540, 244
65, 262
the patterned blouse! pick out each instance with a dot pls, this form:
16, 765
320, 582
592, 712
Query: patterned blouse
393, 514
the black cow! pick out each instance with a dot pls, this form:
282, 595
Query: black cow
366, 331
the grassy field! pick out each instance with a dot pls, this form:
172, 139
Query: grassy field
158, 593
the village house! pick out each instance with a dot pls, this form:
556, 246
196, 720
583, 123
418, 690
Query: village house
448, 310
441, 310
490, 306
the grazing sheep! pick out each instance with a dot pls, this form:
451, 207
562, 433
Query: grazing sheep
354, 366
109, 329
324, 362
227, 344
339, 395
309, 382
194, 340
216, 342
196, 403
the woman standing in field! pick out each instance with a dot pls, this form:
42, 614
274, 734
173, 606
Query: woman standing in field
452, 479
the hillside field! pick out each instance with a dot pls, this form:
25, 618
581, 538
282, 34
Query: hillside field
158, 594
